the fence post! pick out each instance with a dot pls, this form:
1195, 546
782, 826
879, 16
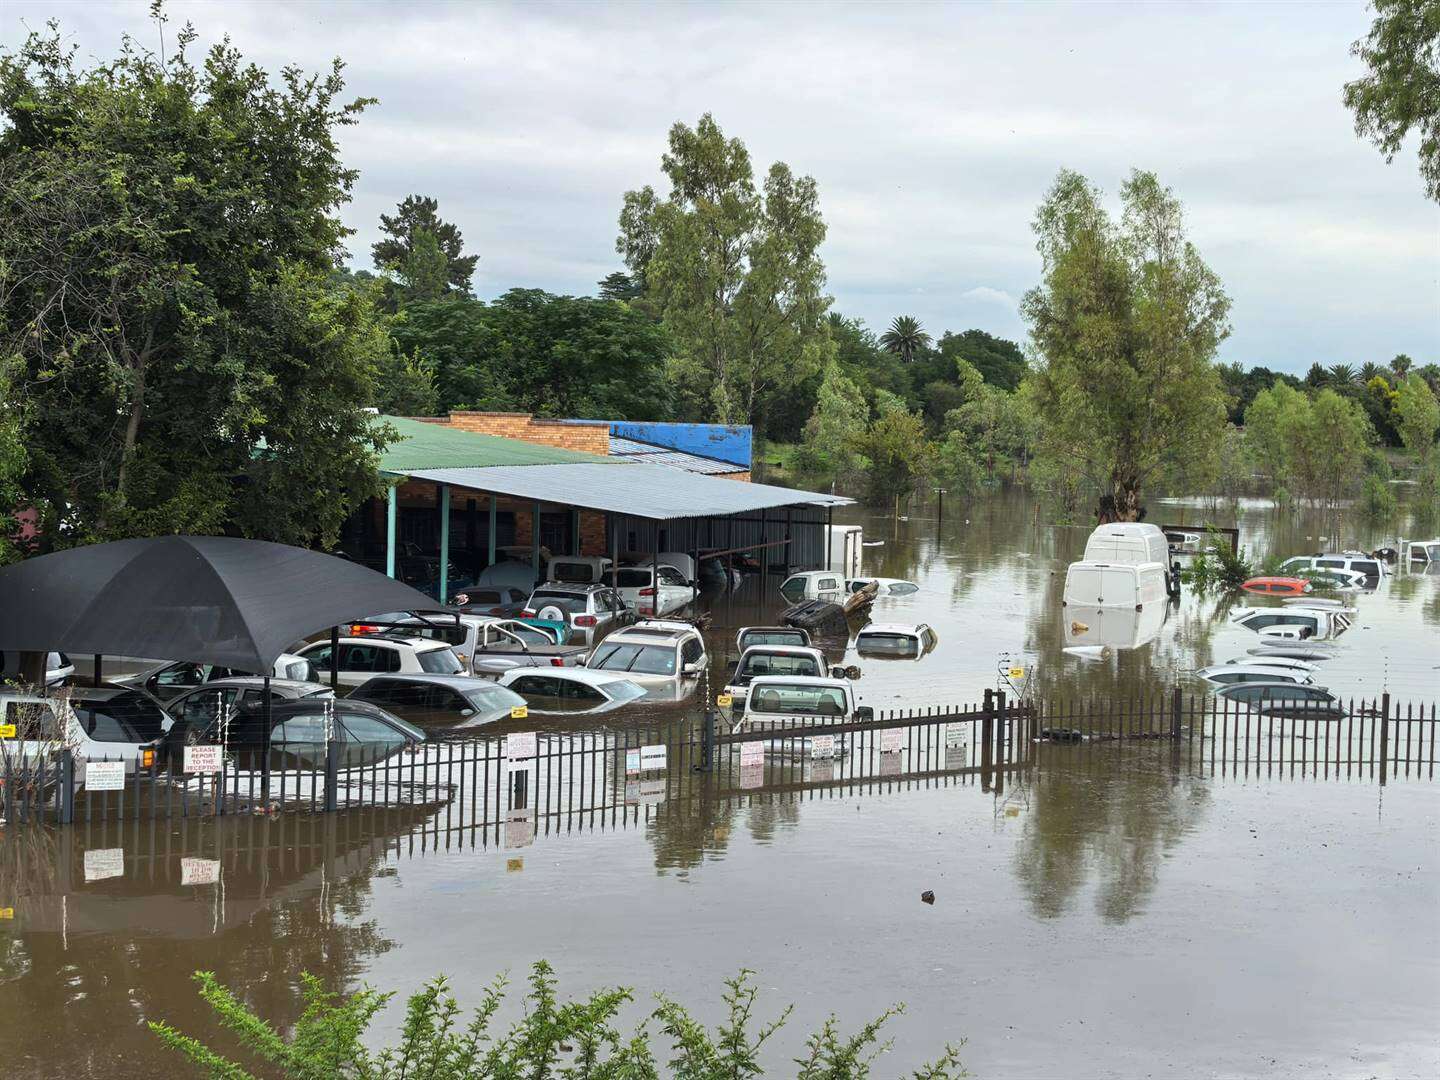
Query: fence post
332, 774
987, 736
1176, 703
66, 802
1384, 735
707, 740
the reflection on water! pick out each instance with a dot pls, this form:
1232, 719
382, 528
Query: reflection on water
1061, 884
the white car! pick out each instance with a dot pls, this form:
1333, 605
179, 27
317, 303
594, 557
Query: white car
488, 646
588, 611
637, 585
1299, 623
107, 724
885, 586
171, 680
814, 585
784, 703
1254, 672
896, 641
570, 691
58, 667
654, 654
761, 660
369, 655
1356, 561
771, 635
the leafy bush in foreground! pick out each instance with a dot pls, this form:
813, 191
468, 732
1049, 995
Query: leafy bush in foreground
568, 1041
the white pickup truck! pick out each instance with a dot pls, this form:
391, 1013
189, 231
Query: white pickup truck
787, 702
761, 660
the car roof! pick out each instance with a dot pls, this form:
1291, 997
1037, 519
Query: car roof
783, 650
460, 682
796, 680
649, 635
892, 628
1289, 687
569, 586
589, 676
247, 681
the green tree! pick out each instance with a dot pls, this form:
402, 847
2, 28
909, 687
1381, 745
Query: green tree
423, 274
993, 426
621, 286
1001, 363
835, 430
1418, 420
1329, 436
1400, 90
168, 237
735, 271
1126, 324
13, 457
899, 453
1342, 375
905, 338
416, 218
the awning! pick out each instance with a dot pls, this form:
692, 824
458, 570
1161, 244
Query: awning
207, 599
648, 491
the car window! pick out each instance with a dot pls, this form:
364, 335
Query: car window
1226, 677
530, 635
827, 584
32, 720
670, 576
181, 675
202, 709
1338, 564
793, 589
122, 718
783, 664
899, 644
1369, 569
1245, 693
632, 578
369, 730
536, 685
654, 660
692, 650
439, 662
485, 596
808, 700
581, 693
772, 637
443, 699
576, 572
450, 635
309, 728
319, 655
903, 588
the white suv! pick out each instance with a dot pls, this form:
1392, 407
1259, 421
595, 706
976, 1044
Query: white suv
652, 653
362, 658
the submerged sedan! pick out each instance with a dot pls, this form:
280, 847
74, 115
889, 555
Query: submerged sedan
453, 701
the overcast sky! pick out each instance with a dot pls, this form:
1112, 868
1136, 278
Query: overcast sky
932, 131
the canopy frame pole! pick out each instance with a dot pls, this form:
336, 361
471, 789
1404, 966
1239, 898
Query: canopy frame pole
266, 713
535, 539
494, 508
391, 512
444, 543
829, 533
764, 551
575, 531
334, 659
97, 669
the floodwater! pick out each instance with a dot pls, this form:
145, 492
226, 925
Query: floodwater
1108, 913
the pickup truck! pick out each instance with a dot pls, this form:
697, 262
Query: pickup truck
489, 647
786, 702
761, 660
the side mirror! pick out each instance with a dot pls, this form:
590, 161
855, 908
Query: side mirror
467, 712
694, 667
864, 713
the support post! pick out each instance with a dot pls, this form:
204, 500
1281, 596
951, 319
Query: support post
265, 711
493, 525
764, 551
335, 660
655, 572
332, 774
65, 808
707, 739
987, 736
392, 500
829, 534
939, 504
444, 502
1002, 741
99, 675
1384, 737
1176, 701
535, 539
574, 532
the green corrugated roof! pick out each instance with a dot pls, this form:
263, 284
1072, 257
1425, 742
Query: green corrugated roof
437, 446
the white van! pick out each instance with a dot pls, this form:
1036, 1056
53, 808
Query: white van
1130, 542
578, 569
1115, 585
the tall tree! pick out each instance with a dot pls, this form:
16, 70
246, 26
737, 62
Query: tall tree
899, 453
1126, 323
416, 217
831, 446
621, 286
168, 233
1000, 362
735, 271
905, 338
13, 457
1418, 420
1400, 90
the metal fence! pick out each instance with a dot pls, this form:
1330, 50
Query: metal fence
524, 782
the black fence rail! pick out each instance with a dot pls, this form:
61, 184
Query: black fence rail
517, 785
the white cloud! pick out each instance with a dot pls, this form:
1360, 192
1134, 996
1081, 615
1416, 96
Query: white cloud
933, 132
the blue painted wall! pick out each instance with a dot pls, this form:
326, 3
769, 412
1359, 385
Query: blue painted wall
724, 442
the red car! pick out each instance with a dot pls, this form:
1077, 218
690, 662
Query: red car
1278, 586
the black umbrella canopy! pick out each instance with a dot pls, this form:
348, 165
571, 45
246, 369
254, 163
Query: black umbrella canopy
209, 599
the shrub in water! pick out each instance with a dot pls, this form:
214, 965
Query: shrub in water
572, 1040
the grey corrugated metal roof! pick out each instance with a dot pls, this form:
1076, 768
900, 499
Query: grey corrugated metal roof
649, 491
675, 459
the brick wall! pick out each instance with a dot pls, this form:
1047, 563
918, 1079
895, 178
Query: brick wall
588, 436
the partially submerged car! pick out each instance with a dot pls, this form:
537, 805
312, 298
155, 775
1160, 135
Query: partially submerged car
452, 701
491, 647
197, 715
1278, 586
896, 641
814, 585
655, 654
1252, 672
167, 681
1284, 700
652, 590
1297, 623
884, 586
1356, 561
500, 601
382, 654
589, 612
771, 635
762, 660
104, 724
295, 736
571, 691
786, 703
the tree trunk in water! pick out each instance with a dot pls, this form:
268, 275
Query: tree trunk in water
1123, 502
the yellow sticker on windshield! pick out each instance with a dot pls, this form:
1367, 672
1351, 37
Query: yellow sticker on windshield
724, 701
1017, 673
7, 731
519, 712
7, 912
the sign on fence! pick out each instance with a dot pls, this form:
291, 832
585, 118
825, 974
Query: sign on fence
752, 753
105, 775
7, 731
724, 701
645, 759
1017, 673
102, 863
892, 741
203, 759
519, 828
752, 776
519, 712
199, 871
957, 734
644, 792
520, 745
822, 746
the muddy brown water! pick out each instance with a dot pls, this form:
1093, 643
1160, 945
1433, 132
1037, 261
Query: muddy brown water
1107, 915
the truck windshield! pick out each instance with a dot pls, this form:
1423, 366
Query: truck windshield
637, 659
799, 700
779, 664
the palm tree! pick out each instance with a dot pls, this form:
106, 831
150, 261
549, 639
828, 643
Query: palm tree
1371, 370
1401, 366
1342, 375
906, 337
